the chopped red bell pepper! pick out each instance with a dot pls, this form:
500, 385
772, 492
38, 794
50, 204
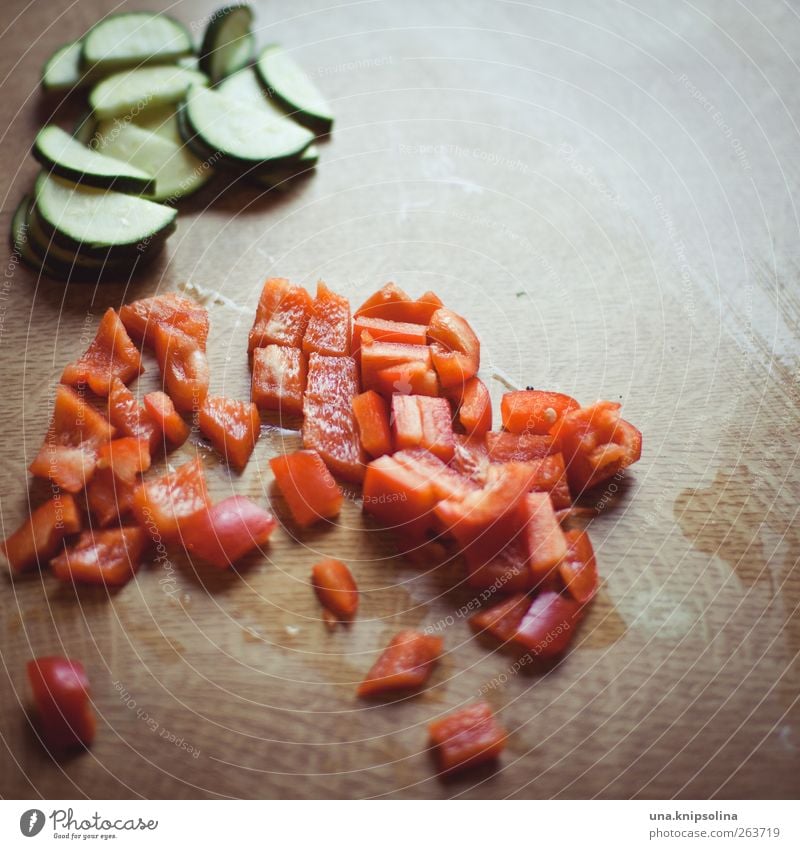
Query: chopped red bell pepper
470, 457
282, 315
550, 476
596, 443
232, 427
37, 539
171, 312
162, 504
184, 368
329, 424
419, 421
129, 418
405, 664
474, 406
455, 348
377, 357
393, 304
329, 331
500, 565
109, 557
506, 447
336, 589
372, 418
546, 541
407, 379
225, 532
534, 410
399, 496
307, 486
69, 454
161, 410
126, 457
108, 498
110, 355
446, 482
578, 568
279, 379
501, 620
466, 738
62, 699
382, 330
549, 625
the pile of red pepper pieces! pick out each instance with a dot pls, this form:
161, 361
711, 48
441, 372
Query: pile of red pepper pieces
390, 397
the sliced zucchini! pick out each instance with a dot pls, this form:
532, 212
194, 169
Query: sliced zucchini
280, 176
20, 239
66, 157
191, 63
130, 39
57, 257
245, 85
84, 128
62, 71
94, 221
294, 89
228, 43
242, 134
130, 93
178, 172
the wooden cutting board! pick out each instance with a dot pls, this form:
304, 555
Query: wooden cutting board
608, 194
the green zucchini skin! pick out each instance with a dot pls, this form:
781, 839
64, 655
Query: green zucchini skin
215, 60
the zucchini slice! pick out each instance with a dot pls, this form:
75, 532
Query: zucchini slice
130, 93
163, 121
93, 221
228, 43
242, 134
294, 89
62, 71
281, 176
84, 128
131, 39
177, 171
245, 85
20, 240
66, 157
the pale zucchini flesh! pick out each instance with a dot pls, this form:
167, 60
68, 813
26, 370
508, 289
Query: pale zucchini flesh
228, 43
134, 92
66, 157
280, 176
294, 89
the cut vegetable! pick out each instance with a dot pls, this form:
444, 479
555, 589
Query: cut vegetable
127, 457
131, 39
61, 694
37, 539
66, 157
93, 220
282, 315
292, 86
393, 304
405, 664
163, 504
307, 486
109, 557
161, 410
466, 738
336, 589
128, 417
328, 330
184, 367
131, 92
62, 71
142, 318
372, 417
228, 43
279, 379
548, 626
232, 427
533, 410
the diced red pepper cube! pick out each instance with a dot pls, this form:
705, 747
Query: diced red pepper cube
184, 368
232, 427
534, 410
129, 418
282, 315
160, 408
578, 568
405, 664
383, 330
110, 557
307, 486
455, 348
162, 504
372, 418
393, 304
279, 379
329, 330
38, 537
506, 447
548, 626
171, 312
419, 421
466, 738
127, 458
336, 589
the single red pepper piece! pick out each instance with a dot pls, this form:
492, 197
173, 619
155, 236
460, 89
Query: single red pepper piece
383, 330
372, 418
62, 698
474, 406
282, 315
455, 348
126, 457
232, 427
503, 447
108, 498
466, 738
500, 565
534, 410
329, 330
336, 589
37, 539
110, 355
378, 357
171, 312
225, 532
329, 425
501, 620
470, 457
184, 368
546, 541
110, 557
393, 304
407, 379
162, 505
128, 417
446, 481
419, 421
161, 410
550, 476
549, 625
69, 454
399, 496
405, 664
578, 568
279, 379
307, 486
596, 443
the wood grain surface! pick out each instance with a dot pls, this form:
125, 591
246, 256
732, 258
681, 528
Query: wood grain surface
607, 191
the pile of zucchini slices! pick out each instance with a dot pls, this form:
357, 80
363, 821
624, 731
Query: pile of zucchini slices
162, 120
